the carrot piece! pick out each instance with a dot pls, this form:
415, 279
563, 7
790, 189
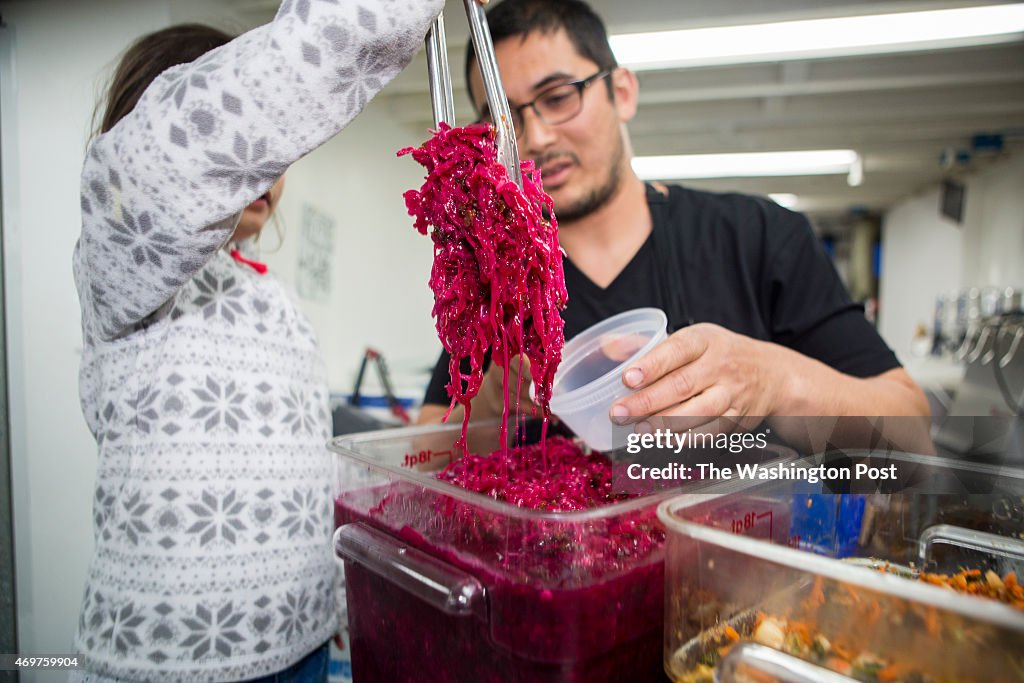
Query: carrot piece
841, 651
932, 622
801, 630
891, 672
874, 612
838, 665
816, 597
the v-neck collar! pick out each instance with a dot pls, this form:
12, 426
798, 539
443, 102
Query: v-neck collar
653, 197
623, 276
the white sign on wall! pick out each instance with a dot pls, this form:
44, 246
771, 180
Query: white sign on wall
316, 244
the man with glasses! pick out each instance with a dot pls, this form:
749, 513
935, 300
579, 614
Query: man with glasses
760, 324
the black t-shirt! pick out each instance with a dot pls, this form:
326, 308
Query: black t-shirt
738, 261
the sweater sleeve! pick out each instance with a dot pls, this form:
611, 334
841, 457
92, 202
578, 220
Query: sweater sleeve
164, 188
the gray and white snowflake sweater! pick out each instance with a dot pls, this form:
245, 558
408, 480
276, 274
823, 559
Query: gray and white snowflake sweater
201, 380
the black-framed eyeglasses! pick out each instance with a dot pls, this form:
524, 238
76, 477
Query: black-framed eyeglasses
555, 105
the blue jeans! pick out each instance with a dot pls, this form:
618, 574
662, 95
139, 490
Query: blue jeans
310, 669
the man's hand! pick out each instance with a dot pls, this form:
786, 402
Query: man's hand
701, 371
704, 372
490, 400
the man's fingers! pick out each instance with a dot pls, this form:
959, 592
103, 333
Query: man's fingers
708, 412
521, 365
677, 386
681, 349
519, 383
672, 423
708, 405
621, 346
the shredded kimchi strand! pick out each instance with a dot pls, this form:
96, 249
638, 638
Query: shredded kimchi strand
497, 275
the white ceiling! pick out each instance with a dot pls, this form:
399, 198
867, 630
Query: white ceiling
900, 112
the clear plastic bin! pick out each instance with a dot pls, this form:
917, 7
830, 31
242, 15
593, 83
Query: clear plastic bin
448, 585
738, 569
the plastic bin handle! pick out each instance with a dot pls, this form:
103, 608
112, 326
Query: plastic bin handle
442, 586
754, 657
980, 541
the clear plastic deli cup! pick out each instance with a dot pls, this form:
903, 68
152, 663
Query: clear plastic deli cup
589, 378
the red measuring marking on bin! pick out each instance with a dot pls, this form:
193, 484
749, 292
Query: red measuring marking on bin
751, 524
425, 456
744, 524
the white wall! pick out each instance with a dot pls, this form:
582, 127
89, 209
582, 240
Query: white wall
926, 255
921, 259
379, 293
994, 229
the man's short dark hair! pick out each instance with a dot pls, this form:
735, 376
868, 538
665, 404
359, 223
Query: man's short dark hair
521, 17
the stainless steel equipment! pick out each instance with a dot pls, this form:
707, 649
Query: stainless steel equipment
986, 418
439, 76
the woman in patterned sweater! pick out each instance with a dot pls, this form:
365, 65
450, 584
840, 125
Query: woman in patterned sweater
201, 380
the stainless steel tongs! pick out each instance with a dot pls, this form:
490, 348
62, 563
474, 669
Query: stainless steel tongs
441, 84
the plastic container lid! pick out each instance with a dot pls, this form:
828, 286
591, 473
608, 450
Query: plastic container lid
589, 378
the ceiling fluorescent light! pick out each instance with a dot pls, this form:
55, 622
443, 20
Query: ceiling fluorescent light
784, 199
747, 165
856, 176
816, 38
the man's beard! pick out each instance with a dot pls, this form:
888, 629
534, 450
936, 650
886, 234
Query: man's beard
597, 197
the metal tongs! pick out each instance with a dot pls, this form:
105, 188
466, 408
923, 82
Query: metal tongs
441, 84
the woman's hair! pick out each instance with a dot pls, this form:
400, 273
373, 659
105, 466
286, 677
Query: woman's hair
522, 17
147, 58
